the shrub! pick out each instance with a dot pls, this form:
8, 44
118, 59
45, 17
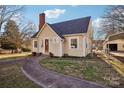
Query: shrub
51, 54
26, 50
34, 53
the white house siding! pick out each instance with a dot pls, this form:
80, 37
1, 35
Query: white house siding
89, 38
59, 47
54, 41
79, 52
32, 47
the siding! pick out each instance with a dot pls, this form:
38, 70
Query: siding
54, 45
73, 52
83, 39
90, 38
61, 47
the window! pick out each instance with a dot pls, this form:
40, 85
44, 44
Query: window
73, 43
86, 44
41, 43
35, 44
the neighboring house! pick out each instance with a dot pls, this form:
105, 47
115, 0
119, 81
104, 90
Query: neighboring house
71, 38
114, 42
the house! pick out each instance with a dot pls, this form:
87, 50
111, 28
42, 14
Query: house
114, 42
71, 38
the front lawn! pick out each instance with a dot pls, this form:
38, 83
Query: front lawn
12, 77
92, 69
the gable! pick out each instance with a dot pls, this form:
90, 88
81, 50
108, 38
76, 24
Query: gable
90, 30
46, 32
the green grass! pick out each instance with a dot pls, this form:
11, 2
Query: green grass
12, 77
92, 69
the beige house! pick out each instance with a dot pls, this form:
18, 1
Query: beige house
70, 38
114, 42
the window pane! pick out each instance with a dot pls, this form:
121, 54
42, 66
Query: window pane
35, 44
41, 43
73, 43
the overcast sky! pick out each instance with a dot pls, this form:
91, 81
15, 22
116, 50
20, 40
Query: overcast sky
61, 13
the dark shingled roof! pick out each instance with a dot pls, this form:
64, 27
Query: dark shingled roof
70, 27
35, 35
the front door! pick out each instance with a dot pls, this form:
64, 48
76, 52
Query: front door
46, 45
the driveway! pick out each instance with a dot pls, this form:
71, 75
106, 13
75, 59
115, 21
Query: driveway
46, 78
13, 61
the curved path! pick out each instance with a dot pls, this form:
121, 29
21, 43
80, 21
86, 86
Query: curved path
46, 78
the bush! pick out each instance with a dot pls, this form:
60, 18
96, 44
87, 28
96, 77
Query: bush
51, 54
34, 53
40, 54
8, 46
65, 55
26, 50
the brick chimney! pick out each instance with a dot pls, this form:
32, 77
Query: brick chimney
41, 20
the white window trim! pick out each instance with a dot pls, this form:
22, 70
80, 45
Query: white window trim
84, 46
42, 44
86, 43
34, 43
70, 42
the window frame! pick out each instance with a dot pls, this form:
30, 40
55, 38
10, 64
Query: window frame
42, 43
70, 41
35, 42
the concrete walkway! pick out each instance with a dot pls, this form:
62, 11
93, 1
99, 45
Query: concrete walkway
46, 78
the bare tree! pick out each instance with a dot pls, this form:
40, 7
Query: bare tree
15, 13
27, 30
112, 20
7, 12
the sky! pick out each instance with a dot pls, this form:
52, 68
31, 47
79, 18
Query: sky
61, 13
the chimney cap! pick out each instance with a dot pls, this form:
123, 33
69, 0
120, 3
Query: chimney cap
42, 14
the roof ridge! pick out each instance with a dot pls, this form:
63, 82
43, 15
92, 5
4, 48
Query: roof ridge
71, 20
117, 33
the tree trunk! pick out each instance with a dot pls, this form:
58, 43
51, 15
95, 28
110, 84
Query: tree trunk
12, 51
